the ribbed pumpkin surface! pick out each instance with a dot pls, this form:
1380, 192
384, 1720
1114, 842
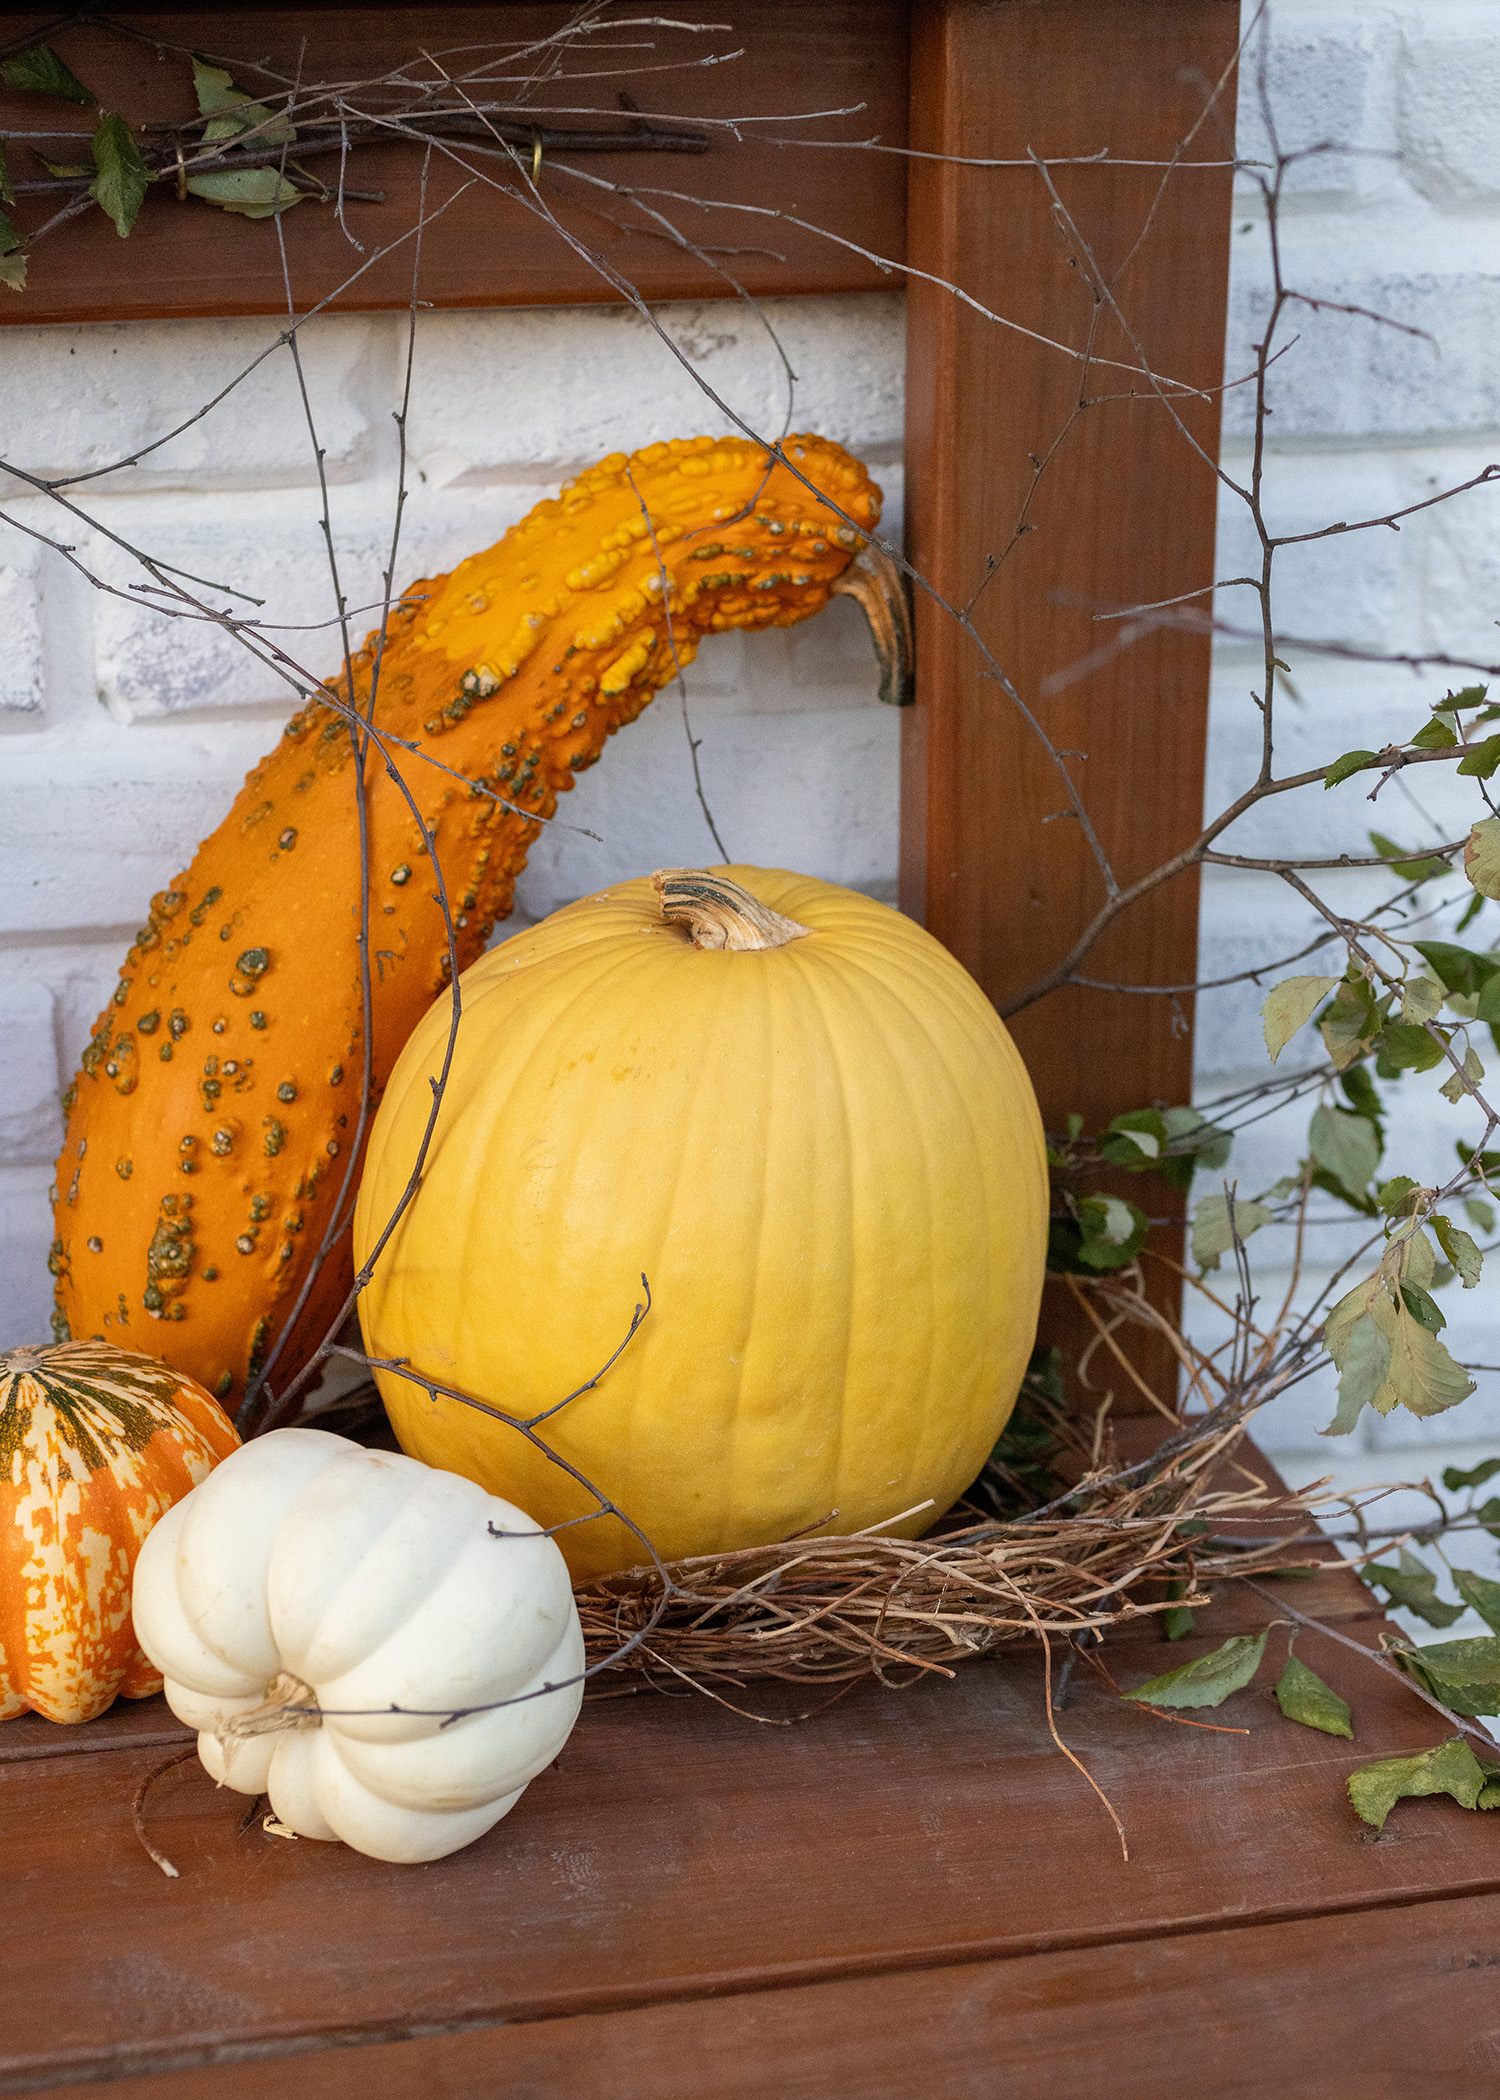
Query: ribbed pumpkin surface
210, 1127
96, 1443
827, 1159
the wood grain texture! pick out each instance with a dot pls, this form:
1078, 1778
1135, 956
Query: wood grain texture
1123, 514
681, 1853
1385, 2005
488, 249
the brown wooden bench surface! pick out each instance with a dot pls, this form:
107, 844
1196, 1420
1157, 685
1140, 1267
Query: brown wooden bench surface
912, 1890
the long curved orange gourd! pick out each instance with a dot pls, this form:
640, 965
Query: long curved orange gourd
96, 1444
210, 1126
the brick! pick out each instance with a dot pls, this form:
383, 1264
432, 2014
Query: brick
1357, 587
21, 680
810, 791
1322, 72
1447, 77
30, 1120
514, 389
269, 547
89, 396
25, 1235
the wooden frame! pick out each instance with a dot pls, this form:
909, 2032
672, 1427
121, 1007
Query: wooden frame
1124, 511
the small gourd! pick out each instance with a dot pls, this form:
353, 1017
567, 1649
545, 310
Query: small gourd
218, 1105
800, 1117
96, 1444
319, 1611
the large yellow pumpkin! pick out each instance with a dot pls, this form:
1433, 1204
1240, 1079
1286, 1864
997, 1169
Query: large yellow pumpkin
96, 1443
800, 1118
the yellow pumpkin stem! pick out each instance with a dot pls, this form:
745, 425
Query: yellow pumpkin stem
719, 914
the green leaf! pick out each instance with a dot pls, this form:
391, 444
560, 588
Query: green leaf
1407, 1049
258, 193
1345, 1145
1212, 1236
1471, 696
122, 180
1364, 1366
1424, 1309
1424, 1379
1210, 1680
13, 271
1112, 1232
1394, 1196
1479, 1213
1434, 735
1488, 1514
1472, 910
1454, 1089
40, 71
1288, 1005
232, 110
1482, 760
1454, 1479
1192, 1142
1421, 1000
1482, 857
1414, 1588
1134, 1140
1350, 1023
1477, 1591
1303, 1696
10, 240
1351, 762
1460, 1248
1411, 868
1450, 1768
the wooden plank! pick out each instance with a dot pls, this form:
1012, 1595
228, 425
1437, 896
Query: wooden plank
1123, 514
681, 1852
1390, 2004
487, 250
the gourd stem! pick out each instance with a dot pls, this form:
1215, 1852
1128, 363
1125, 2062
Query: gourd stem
289, 1703
719, 914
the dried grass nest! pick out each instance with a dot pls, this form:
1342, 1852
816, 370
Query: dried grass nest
1057, 1538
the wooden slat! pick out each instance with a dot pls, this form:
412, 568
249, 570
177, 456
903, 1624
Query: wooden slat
190, 259
1123, 514
680, 1852
1386, 2004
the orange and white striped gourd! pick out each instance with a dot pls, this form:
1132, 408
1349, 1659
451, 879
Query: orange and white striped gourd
96, 1443
218, 1103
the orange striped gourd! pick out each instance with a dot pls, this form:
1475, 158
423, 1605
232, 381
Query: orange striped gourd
218, 1104
96, 1443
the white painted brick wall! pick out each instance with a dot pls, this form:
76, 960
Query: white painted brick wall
123, 736
1366, 418
122, 740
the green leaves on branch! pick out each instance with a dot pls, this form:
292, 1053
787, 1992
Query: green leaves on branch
1450, 1768
1383, 1337
1464, 1676
1351, 762
1111, 1232
1346, 1146
256, 193
1173, 1141
1414, 1588
1411, 867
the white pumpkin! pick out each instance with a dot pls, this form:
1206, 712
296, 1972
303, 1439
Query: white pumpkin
308, 1589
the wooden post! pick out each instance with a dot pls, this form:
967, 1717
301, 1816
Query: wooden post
1122, 514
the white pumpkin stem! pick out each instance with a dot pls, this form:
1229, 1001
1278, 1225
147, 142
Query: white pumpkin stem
286, 1706
719, 914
